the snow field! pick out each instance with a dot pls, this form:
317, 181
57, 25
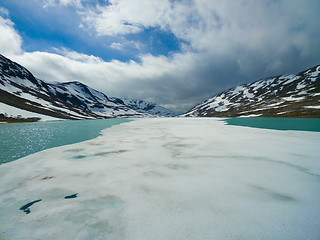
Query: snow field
168, 179
14, 112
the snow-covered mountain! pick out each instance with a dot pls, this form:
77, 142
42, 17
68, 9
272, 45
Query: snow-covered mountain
295, 95
148, 107
72, 100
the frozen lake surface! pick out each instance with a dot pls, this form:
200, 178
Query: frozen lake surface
167, 179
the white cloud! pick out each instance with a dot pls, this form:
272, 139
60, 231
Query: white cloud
117, 46
4, 12
10, 40
155, 78
126, 16
125, 45
237, 29
51, 3
80, 57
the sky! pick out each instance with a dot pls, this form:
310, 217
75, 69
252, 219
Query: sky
176, 53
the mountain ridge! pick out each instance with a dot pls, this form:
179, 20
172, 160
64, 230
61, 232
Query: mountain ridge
67, 100
290, 95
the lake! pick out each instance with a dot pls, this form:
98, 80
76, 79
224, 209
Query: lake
167, 178
298, 124
21, 139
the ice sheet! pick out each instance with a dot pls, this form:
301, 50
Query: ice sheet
168, 179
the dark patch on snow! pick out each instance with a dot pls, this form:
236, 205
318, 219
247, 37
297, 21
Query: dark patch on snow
71, 196
46, 178
79, 157
26, 208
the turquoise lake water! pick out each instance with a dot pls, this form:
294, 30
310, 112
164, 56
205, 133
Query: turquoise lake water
298, 124
21, 139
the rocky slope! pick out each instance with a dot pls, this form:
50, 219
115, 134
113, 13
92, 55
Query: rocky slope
295, 95
72, 100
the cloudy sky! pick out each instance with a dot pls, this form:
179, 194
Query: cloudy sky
176, 53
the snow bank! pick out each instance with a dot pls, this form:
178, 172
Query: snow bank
167, 179
315, 107
11, 111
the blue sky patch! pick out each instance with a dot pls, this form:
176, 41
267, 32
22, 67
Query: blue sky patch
58, 27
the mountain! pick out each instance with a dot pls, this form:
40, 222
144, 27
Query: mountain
294, 95
148, 107
72, 100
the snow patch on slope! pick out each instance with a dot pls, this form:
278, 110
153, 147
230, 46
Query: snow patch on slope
287, 93
14, 112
